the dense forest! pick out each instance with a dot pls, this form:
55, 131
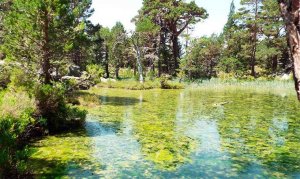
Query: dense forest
50, 50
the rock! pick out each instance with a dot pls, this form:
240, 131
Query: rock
81, 83
74, 70
285, 77
85, 85
55, 76
85, 76
105, 80
66, 78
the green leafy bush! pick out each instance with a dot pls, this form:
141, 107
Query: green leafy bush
166, 83
21, 78
52, 106
96, 72
14, 102
5, 73
16, 111
126, 73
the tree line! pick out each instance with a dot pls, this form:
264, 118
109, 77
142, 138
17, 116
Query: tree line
41, 41
253, 42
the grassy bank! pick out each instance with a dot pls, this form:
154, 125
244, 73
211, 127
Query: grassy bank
260, 86
132, 84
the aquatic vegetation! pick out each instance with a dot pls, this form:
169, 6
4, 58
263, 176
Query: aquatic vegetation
63, 154
181, 133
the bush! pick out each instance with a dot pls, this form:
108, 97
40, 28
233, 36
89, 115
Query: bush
5, 73
96, 72
131, 84
22, 79
14, 102
16, 111
12, 156
126, 73
165, 83
227, 76
52, 106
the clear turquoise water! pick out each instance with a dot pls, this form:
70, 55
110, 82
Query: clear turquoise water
188, 133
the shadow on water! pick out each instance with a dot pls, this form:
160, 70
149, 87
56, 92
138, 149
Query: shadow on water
109, 100
193, 134
119, 101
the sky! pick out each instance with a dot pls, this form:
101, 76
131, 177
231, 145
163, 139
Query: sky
108, 12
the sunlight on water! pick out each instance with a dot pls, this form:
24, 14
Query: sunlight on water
178, 133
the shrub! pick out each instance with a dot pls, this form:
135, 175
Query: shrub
96, 72
226, 76
14, 102
5, 73
21, 78
11, 156
165, 83
16, 114
126, 73
52, 106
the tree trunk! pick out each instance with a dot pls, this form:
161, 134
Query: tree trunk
274, 64
138, 58
117, 71
290, 13
159, 68
140, 68
164, 66
46, 52
254, 39
106, 62
175, 50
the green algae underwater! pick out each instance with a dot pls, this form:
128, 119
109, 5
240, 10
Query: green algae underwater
190, 133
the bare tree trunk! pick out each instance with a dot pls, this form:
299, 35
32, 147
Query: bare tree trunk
138, 57
140, 68
46, 52
290, 13
106, 62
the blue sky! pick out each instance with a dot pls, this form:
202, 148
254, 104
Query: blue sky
108, 12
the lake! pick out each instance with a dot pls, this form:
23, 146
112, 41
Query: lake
189, 133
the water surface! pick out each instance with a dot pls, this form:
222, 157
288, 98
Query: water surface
190, 133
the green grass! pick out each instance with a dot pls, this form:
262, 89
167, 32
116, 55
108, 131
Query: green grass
14, 103
260, 86
136, 85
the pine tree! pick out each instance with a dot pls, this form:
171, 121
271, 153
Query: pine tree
45, 34
173, 17
290, 12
